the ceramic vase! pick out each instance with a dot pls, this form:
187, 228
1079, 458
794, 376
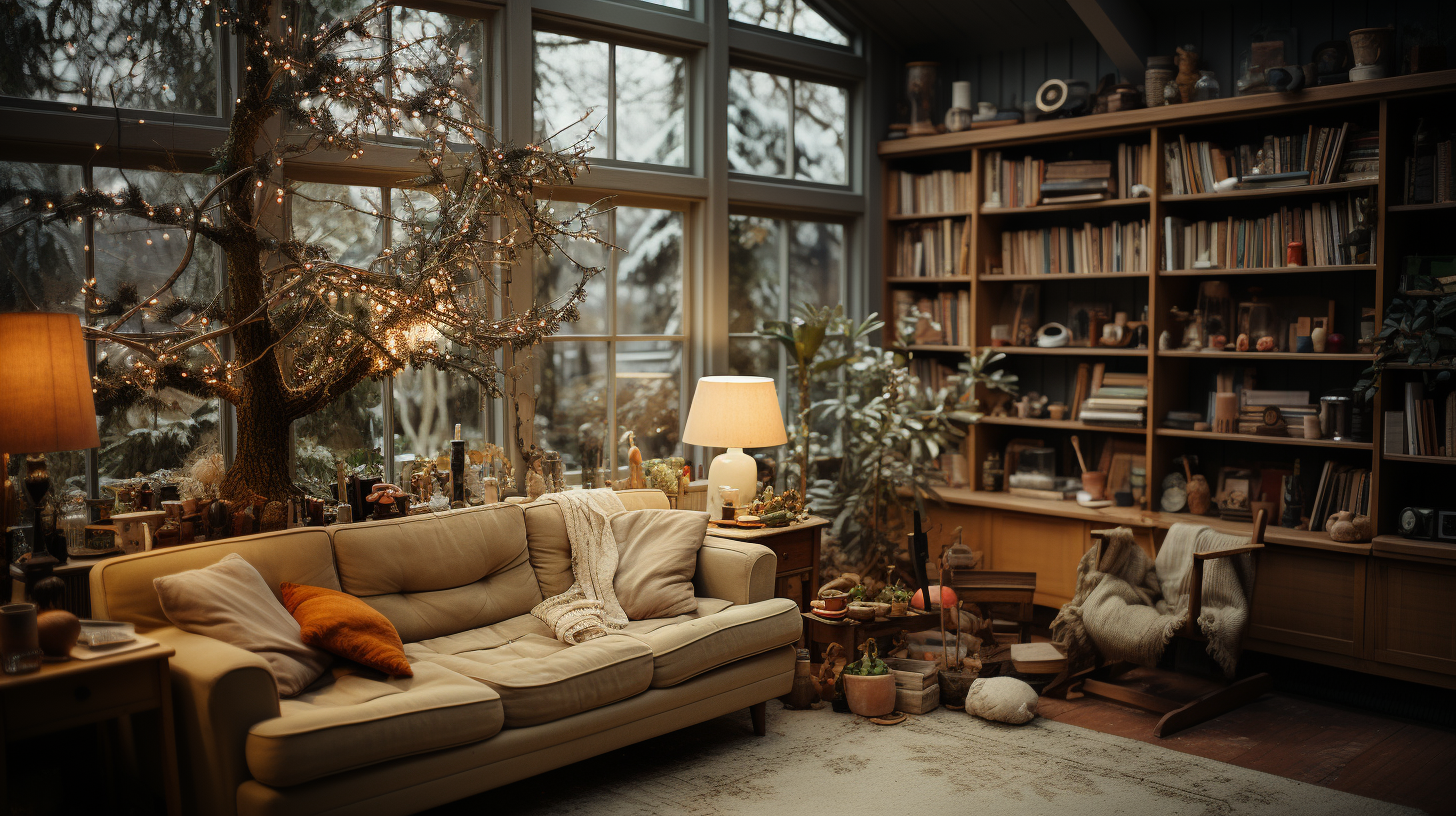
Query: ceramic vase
871, 696
920, 79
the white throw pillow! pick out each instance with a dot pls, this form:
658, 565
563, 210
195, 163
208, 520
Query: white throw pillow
1003, 699
657, 557
230, 601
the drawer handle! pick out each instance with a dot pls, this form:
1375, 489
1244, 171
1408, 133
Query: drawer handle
83, 693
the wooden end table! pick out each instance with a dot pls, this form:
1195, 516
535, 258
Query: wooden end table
850, 634
797, 548
80, 692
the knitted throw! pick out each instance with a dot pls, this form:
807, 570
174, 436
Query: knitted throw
589, 608
1128, 607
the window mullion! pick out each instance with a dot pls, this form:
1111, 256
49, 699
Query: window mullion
792, 147
386, 385
88, 264
612, 100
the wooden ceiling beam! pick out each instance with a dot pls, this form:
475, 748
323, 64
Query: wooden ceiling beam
1123, 30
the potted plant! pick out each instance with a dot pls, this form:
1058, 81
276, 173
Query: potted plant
1419, 330
869, 687
898, 597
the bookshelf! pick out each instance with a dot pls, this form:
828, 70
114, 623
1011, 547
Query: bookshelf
1306, 562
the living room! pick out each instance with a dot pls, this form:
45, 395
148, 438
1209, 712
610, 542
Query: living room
682, 406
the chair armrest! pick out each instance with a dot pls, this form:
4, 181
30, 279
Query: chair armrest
218, 692
1204, 556
736, 571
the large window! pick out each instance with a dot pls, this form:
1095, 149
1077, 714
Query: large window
620, 368
791, 128
789, 16
636, 100
774, 265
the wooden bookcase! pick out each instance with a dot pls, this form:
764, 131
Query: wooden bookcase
1387, 607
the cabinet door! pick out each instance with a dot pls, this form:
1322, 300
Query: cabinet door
1045, 545
1309, 598
1413, 614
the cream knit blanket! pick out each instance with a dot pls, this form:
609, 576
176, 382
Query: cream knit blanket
589, 608
1128, 607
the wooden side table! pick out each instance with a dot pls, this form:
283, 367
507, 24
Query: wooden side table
80, 692
851, 634
797, 548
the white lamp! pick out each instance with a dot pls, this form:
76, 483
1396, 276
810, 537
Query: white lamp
734, 413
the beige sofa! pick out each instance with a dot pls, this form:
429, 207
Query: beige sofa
494, 698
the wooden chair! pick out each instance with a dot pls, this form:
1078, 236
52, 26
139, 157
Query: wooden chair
1010, 594
1180, 714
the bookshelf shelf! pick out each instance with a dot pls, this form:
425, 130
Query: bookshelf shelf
1060, 424
929, 216
1278, 192
928, 280
1430, 460
941, 348
1074, 351
1444, 205
988, 278
1281, 270
1271, 355
1114, 203
1262, 440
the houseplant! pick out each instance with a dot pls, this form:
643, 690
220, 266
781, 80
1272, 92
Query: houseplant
1419, 329
898, 597
869, 687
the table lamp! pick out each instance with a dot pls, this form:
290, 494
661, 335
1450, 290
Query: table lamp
734, 413
45, 405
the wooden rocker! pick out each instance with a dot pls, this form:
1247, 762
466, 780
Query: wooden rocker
1180, 714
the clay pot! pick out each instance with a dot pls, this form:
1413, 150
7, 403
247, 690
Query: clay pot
863, 612
872, 696
58, 630
899, 608
954, 685
1095, 483
835, 602
1200, 498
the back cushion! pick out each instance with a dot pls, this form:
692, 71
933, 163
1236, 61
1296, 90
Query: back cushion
550, 550
121, 588
439, 574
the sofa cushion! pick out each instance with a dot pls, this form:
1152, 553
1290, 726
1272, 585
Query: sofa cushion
539, 678
230, 601
715, 634
657, 554
551, 552
440, 573
346, 626
358, 717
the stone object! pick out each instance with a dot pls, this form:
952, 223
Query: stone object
1002, 699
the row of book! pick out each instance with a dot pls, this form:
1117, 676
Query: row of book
929, 193
1088, 249
1102, 397
1260, 243
1425, 427
943, 319
1321, 156
1294, 406
1341, 487
932, 374
1428, 177
933, 249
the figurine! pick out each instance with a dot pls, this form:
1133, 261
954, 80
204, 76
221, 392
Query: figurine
1187, 72
636, 478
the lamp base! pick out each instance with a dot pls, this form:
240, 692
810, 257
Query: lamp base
734, 468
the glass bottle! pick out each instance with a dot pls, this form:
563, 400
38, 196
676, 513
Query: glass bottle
74, 515
1205, 88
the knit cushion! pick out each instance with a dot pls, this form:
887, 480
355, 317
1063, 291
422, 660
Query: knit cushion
346, 626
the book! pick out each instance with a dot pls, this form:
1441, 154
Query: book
1037, 658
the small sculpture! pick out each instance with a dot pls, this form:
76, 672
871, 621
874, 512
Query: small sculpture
535, 484
1187, 71
636, 478
1349, 527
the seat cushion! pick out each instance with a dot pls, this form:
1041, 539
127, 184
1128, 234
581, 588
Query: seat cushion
714, 635
357, 717
539, 678
657, 553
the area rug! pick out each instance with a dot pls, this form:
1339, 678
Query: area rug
947, 762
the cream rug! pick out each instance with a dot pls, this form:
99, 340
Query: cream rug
818, 763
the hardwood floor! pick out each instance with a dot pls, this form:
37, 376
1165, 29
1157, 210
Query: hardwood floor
1320, 743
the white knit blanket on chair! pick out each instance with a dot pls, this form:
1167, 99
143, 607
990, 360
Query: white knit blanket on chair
1129, 606
589, 608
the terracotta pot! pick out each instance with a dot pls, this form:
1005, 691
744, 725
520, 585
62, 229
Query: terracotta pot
870, 696
1095, 483
58, 630
863, 612
834, 603
899, 608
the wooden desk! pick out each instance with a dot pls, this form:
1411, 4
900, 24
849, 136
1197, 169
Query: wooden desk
797, 548
80, 692
850, 633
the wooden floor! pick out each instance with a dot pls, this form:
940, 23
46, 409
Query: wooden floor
1324, 744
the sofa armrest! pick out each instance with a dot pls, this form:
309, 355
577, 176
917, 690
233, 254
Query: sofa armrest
736, 571
218, 692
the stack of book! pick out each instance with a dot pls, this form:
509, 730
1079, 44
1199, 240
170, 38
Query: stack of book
930, 193
1429, 430
1068, 182
1362, 157
933, 249
1088, 249
1293, 405
1341, 487
1262, 243
1115, 399
1012, 182
1315, 157
1428, 177
943, 319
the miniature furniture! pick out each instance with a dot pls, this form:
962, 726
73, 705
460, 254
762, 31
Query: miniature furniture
1181, 714
80, 692
797, 548
1007, 594
851, 634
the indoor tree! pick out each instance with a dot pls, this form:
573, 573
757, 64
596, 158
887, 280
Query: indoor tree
303, 325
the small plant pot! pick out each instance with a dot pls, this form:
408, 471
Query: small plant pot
872, 696
862, 612
954, 685
834, 603
899, 608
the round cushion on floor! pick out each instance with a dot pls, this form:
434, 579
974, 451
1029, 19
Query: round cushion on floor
1003, 699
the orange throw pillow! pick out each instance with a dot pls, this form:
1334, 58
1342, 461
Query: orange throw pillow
341, 623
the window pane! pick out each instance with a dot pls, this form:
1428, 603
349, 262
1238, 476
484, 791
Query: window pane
758, 122
789, 16
753, 272
44, 263
431, 34
571, 401
649, 388
753, 357
816, 258
571, 82
651, 107
350, 429
112, 52
820, 124
340, 218
677, 4
427, 405
555, 276
649, 271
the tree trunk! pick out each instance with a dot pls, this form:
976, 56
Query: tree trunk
261, 466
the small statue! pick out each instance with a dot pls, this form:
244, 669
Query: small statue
343, 481
1187, 71
535, 484
636, 479
553, 472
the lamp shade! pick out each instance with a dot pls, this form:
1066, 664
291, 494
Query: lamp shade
45, 385
735, 412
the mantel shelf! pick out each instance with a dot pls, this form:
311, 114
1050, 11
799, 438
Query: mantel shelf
1262, 440
1277, 270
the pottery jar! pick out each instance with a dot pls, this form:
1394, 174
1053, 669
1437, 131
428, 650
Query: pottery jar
870, 696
